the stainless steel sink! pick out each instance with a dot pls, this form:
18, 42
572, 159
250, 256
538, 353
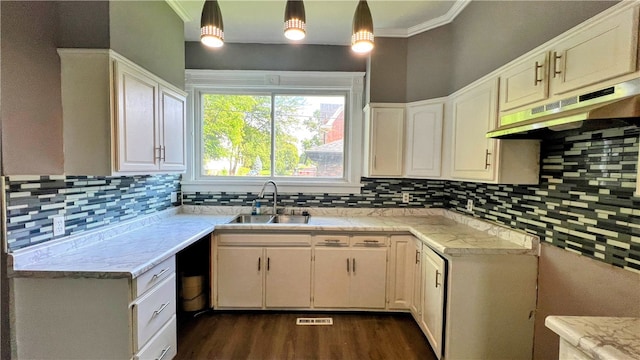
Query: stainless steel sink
251, 219
270, 219
290, 219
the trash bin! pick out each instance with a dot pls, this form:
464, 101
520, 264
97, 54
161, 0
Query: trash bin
193, 297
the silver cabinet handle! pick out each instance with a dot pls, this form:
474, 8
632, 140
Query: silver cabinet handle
556, 68
164, 352
156, 276
157, 312
268, 264
486, 159
164, 153
417, 256
259, 263
333, 241
371, 241
347, 264
353, 267
437, 274
535, 74
159, 150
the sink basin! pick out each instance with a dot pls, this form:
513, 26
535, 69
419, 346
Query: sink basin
290, 219
251, 219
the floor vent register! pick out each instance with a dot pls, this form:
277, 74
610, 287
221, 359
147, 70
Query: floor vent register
314, 321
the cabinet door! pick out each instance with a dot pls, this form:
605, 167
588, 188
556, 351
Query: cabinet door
474, 114
401, 267
332, 268
288, 278
173, 133
604, 51
416, 300
368, 277
387, 131
138, 146
433, 298
524, 83
423, 140
239, 277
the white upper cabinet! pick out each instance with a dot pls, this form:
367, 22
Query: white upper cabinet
474, 157
525, 82
600, 52
384, 133
118, 118
605, 50
423, 140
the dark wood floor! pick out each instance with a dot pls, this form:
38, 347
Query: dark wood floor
269, 335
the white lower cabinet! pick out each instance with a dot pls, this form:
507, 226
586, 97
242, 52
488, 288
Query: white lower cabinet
432, 287
93, 318
402, 258
351, 276
259, 276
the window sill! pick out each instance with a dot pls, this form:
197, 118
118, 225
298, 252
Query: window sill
284, 187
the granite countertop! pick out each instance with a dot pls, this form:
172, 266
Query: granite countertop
129, 249
599, 337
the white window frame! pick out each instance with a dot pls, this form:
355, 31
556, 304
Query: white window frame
200, 82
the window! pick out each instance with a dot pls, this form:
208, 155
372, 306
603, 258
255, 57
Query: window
301, 129
273, 135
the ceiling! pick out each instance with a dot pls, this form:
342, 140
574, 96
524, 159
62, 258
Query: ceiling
328, 21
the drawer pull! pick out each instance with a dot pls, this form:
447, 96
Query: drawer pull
164, 353
156, 276
334, 241
157, 312
371, 241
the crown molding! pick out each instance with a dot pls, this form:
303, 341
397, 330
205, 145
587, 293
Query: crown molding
457, 7
177, 7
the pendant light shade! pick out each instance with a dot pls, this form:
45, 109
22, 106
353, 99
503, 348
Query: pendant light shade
294, 20
211, 26
362, 35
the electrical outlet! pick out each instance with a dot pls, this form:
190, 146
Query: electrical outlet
469, 205
406, 197
174, 196
58, 225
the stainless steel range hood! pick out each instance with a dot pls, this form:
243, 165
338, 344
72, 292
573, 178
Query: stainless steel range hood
613, 106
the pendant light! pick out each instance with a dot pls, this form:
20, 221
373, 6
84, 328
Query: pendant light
211, 26
362, 35
294, 20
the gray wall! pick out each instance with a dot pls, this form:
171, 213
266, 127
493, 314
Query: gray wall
388, 70
483, 37
279, 57
150, 34
83, 24
31, 102
429, 64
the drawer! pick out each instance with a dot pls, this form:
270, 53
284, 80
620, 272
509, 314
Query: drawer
331, 240
163, 346
269, 239
153, 310
373, 240
154, 276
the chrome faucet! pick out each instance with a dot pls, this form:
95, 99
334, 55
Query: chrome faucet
275, 194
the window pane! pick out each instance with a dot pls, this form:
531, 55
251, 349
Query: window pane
309, 135
236, 135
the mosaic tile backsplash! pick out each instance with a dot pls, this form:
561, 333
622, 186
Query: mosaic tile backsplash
86, 202
375, 193
584, 202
